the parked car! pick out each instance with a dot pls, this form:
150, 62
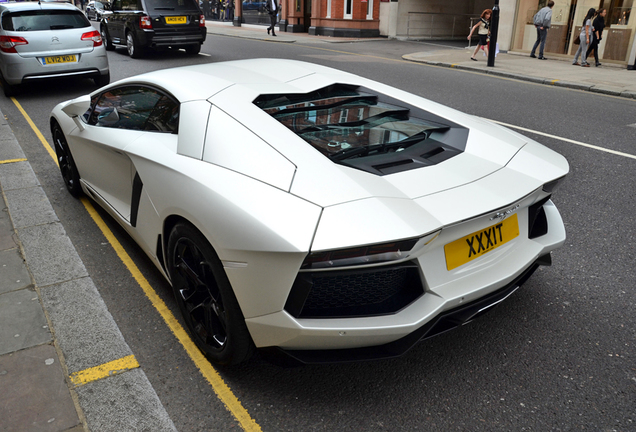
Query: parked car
48, 40
95, 10
142, 24
308, 212
254, 5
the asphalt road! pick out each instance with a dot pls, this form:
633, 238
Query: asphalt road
558, 355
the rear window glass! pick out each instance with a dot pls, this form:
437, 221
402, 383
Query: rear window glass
35, 20
172, 5
366, 130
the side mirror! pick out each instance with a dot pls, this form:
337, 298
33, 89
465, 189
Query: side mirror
77, 107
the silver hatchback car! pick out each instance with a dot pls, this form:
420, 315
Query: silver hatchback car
48, 40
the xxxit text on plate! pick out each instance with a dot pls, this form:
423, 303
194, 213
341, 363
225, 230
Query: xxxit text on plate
481, 242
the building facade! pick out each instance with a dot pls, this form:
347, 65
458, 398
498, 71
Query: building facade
452, 19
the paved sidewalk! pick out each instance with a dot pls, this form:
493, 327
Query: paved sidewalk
54, 326
607, 79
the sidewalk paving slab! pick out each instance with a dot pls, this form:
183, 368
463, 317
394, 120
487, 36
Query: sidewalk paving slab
35, 396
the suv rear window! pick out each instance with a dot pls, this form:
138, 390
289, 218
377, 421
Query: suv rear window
366, 130
35, 20
172, 5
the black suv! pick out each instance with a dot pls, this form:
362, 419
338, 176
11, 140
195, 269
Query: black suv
157, 24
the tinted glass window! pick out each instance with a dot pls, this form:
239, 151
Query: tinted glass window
172, 5
44, 20
366, 130
136, 108
131, 5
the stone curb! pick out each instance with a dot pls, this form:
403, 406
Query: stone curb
546, 81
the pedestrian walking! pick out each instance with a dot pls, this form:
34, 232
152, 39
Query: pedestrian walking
484, 30
542, 21
597, 32
272, 9
585, 38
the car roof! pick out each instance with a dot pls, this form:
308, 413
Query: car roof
32, 5
204, 81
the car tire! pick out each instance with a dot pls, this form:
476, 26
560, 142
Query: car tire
10, 90
193, 49
205, 297
102, 80
134, 50
69, 171
106, 39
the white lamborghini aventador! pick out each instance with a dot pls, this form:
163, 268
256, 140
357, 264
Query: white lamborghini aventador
310, 213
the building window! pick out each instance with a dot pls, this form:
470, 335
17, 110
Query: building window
369, 9
348, 8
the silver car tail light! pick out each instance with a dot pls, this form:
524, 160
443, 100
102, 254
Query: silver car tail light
8, 43
94, 36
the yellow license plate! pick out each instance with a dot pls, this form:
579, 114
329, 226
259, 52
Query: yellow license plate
481, 242
176, 20
60, 59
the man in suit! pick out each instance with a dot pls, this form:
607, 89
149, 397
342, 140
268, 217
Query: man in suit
272, 9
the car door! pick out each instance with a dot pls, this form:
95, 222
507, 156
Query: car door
115, 22
118, 118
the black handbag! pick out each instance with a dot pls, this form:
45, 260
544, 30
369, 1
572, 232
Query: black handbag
577, 41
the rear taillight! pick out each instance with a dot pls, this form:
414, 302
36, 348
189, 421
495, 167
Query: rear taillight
8, 43
94, 36
145, 22
202, 21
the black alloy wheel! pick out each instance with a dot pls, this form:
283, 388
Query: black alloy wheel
205, 297
69, 171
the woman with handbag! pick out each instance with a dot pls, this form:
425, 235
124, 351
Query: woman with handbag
585, 37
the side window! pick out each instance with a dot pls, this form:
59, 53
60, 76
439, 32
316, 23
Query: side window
116, 5
135, 108
87, 114
164, 117
129, 4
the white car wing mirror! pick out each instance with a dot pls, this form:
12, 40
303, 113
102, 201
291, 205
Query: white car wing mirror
76, 108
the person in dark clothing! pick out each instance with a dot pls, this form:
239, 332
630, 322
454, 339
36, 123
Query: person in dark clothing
272, 7
598, 25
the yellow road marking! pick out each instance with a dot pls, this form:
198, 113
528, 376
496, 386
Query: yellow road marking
223, 392
12, 161
211, 375
105, 370
43, 140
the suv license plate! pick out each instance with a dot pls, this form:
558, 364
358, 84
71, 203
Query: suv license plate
176, 20
481, 242
59, 59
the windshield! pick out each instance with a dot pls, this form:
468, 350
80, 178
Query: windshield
36, 20
347, 122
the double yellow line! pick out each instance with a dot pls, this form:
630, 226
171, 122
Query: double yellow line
221, 389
